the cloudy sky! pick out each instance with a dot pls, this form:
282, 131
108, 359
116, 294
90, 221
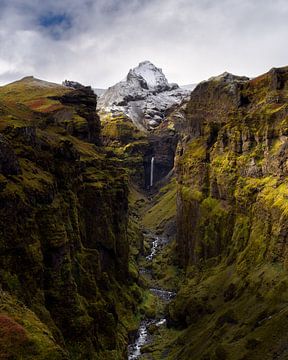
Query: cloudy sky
96, 42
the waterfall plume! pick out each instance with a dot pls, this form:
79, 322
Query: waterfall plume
152, 171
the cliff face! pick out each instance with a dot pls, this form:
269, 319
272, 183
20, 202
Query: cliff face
235, 157
135, 148
63, 225
232, 219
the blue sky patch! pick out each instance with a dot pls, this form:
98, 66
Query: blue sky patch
56, 24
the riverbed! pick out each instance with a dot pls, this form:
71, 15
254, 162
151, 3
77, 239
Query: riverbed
143, 336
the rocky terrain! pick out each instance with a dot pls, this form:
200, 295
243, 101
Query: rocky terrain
92, 249
144, 96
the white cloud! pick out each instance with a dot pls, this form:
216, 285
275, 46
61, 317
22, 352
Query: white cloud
190, 39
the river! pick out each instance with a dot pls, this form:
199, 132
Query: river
143, 337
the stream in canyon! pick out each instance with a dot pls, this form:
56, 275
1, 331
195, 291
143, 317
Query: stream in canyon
143, 337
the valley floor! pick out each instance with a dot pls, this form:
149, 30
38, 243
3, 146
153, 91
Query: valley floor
209, 313
159, 274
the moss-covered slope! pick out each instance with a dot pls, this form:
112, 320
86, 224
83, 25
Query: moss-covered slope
232, 221
63, 228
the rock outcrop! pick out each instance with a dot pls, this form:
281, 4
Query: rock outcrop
9, 164
145, 96
81, 121
73, 84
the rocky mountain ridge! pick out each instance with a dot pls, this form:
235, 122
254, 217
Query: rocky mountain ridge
145, 96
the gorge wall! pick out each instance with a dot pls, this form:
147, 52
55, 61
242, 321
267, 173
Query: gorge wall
64, 251
135, 148
232, 220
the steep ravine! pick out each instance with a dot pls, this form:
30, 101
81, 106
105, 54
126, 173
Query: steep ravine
159, 273
231, 173
144, 335
196, 265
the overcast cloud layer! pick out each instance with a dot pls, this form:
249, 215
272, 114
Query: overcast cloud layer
96, 42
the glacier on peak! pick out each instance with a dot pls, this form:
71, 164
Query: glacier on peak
145, 96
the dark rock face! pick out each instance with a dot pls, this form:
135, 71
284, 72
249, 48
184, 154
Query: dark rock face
74, 84
162, 147
8, 161
84, 103
63, 224
278, 77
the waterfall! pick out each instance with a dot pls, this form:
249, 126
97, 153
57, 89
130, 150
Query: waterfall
152, 171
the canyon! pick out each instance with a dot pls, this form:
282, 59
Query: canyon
152, 228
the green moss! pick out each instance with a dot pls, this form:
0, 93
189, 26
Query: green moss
120, 129
247, 189
10, 280
149, 305
220, 311
276, 196
70, 228
232, 221
79, 122
166, 272
32, 92
195, 151
190, 194
133, 270
164, 208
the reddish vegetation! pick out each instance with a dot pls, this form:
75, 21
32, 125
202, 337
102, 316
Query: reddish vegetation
39, 104
12, 335
258, 79
52, 107
34, 104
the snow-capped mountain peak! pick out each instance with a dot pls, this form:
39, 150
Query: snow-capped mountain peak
153, 76
145, 96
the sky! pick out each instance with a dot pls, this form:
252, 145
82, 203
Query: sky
96, 42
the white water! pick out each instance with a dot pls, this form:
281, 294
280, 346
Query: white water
154, 247
161, 322
134, 350
157, 243
152, 171
163, 294
143, 337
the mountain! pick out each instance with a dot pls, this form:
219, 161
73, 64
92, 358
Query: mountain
99, 91
188, 86
145, 96
172, 240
